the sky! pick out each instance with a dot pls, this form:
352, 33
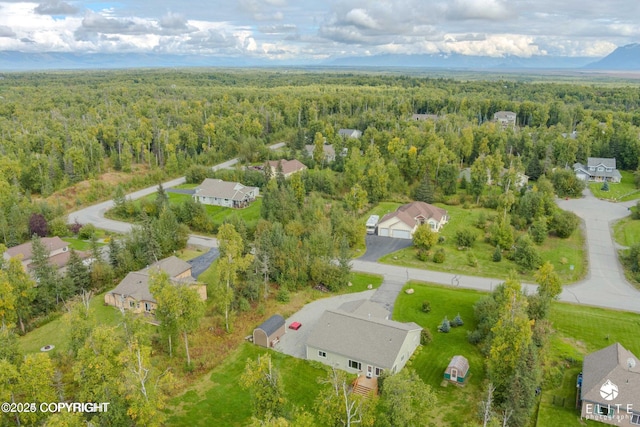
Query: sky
321, 29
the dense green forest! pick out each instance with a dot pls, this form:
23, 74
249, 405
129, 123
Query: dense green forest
61, 129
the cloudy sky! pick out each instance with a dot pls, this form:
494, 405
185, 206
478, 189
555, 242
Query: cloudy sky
321, 29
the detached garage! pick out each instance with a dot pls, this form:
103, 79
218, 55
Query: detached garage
268, 334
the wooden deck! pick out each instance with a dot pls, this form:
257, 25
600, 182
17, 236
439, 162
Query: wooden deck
365, 386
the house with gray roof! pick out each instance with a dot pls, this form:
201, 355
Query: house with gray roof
598, 169
505, 118
609, 391
350, 133
327, 149
288, 167
224, 193
132, 293
359, 338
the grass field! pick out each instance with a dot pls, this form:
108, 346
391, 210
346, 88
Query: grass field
624, 190
218, 399
562, 253
456, 405
627, 231
56, 332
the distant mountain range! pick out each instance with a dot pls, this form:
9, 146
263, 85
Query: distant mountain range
623, 58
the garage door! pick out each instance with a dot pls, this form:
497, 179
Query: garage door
383, 232
400, 234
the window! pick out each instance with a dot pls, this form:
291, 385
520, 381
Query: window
379, 371
603, 410
355, 364
147, 307
132, 304
402, 358
635, 419
322, 353
600, 169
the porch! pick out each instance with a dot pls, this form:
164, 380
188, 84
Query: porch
365, 386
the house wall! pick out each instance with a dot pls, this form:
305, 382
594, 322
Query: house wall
115, 300
215, 201
187, 273
339, 361
260, 338
393, 224
619, 418
411, 342
201, 290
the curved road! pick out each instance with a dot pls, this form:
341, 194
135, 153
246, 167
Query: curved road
95, 214
605, 285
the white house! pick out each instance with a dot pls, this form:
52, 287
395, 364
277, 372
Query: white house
505, 118
223, 193
405, 220
350, 133
358, 337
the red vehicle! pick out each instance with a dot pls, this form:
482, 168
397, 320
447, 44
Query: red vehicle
295, 326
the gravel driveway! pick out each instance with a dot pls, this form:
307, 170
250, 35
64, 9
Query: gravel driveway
293, 342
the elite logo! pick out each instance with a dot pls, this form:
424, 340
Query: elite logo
609, 391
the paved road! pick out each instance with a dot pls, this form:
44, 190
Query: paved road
605, 285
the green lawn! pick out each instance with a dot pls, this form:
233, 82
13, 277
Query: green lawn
578, 329
624, 190
360, 281
627, 231
219, 400
562, 253
56, 332
456, 405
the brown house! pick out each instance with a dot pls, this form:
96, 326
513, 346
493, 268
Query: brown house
407, 218
132, 293
609, 389
289, 167
57, 248
268, 334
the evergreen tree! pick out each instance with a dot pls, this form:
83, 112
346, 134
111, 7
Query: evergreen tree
78, 273
424, 191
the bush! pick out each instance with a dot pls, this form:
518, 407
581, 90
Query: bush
566, 183
472, 261
465, 237
423, 254
564, 223
58, 227
497, 254
283, 295
605, 186
426, 306
538, 230
87, 232
439, 256
425, 336
525, 254
457, 321
445, 326
424, 237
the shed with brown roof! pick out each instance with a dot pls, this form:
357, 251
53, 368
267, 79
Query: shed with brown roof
289, 167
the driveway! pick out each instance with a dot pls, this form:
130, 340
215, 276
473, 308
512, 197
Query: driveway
201, 263
293, 342
378, 246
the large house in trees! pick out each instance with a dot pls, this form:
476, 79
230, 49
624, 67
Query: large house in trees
132, 293
223, 193
289, 167
407, 218
598, 169
57, 249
